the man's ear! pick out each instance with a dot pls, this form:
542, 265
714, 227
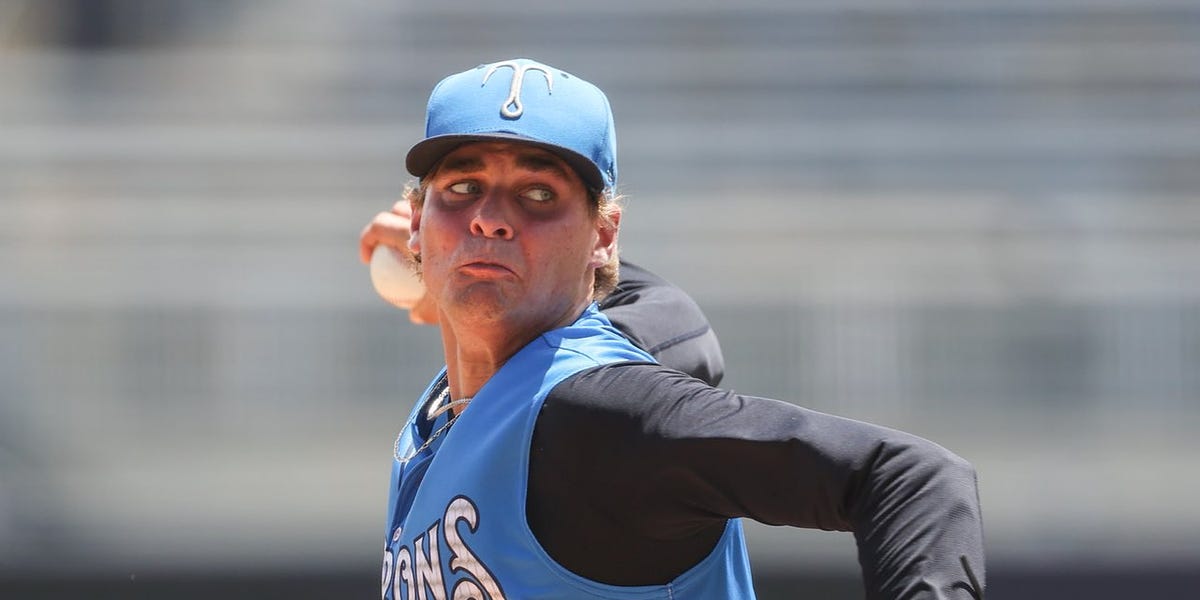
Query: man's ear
606, 239
414, 227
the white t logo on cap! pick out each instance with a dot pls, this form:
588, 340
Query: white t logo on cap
512, 107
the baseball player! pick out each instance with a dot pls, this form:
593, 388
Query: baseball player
552, 457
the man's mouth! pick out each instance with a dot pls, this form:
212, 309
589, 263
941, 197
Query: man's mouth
486, 269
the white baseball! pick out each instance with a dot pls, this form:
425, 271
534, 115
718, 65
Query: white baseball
395, 277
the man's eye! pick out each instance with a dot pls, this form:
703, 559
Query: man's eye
464, 187
539, 195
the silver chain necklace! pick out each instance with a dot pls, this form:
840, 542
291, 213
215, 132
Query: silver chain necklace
436, 409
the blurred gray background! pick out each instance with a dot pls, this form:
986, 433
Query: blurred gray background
975, 220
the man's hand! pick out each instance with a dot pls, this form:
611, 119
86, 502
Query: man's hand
393, 228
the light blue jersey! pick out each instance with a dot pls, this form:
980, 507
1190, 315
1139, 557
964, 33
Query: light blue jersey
456, 510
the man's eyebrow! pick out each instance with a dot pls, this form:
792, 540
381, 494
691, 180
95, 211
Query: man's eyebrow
541, 162
462, 164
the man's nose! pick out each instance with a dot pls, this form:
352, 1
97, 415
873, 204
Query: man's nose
491, 218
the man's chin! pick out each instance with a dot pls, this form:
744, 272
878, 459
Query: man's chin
482, 302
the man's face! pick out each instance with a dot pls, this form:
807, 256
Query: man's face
506, 236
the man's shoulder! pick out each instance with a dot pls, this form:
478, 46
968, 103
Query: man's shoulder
630, 386
593, 336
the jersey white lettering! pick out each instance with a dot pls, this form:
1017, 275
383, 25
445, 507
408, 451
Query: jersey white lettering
418, 574
461, 509
403, 572
467, 590
387, 573
428, 568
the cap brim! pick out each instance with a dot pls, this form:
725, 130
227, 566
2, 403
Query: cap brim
425, 154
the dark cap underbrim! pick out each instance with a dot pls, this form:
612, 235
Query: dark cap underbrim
425, 154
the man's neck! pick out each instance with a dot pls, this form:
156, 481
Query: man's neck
470, 365
475, 353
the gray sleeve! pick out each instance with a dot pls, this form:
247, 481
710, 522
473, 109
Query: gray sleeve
691, 452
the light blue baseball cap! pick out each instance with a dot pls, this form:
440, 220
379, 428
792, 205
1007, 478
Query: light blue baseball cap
526, 101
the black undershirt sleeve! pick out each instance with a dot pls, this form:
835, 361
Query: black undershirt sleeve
663, 320
643, 465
